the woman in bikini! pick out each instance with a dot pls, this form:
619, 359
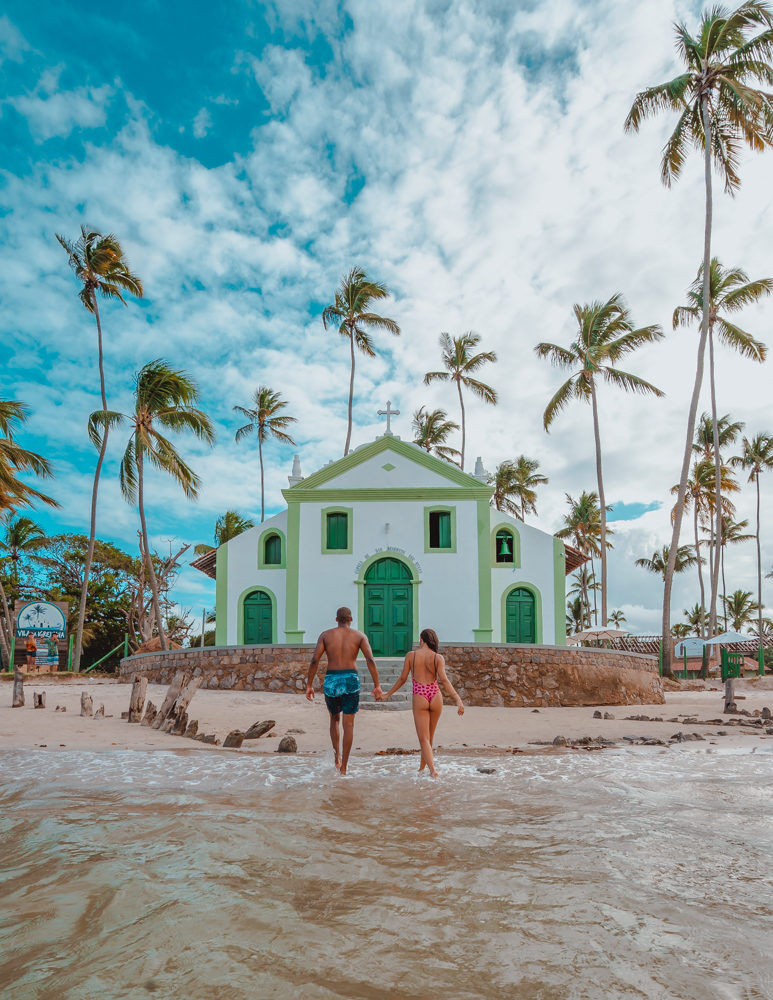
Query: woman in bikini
428, 667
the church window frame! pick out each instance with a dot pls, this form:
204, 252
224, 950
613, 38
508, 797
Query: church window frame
429, 529
512, 530
327, 550
263, 563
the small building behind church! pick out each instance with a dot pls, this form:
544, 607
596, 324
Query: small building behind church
407, 541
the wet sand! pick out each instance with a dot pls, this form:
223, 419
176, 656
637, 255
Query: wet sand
219, 712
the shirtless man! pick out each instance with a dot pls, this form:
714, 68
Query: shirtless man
342, 682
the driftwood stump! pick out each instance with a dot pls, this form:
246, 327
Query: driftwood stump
258, 729
180, 706
234, 739
39, 699
87, 706
18, 689
150, 714
100, 712
192, 730
139, 687
730, 707
179, 725
178, 683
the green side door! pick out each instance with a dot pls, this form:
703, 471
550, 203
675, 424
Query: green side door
257, 619
389, 608
519, 609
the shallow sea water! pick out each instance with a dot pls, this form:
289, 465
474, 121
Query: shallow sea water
559, 876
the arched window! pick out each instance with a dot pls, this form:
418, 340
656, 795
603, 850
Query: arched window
272, 553
505, 546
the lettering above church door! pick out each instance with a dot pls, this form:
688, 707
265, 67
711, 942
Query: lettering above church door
389, 608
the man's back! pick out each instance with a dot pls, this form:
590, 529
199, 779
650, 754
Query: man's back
342, 644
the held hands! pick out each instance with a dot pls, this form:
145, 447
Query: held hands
378, 694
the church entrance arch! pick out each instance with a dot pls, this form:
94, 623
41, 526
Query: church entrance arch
258, 618
521, 623
389, 607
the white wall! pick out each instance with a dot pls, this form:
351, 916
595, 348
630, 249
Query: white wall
243, 572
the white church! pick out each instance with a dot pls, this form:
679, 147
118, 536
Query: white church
407, 541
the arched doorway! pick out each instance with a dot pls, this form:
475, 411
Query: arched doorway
520, 617
257, 619
389, 607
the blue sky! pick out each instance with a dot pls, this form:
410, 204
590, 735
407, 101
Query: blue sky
469, 154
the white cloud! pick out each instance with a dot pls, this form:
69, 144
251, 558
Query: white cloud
53, 112
202, 123
12, 42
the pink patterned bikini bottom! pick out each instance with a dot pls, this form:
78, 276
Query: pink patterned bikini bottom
427, 691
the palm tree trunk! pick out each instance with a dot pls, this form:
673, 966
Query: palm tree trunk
679, 512
759, 560
5, 641
148, 557
595, 606
262, 485
76, 663
602, 504
724, 590
700, 572
464, 425
717, 491
351, 395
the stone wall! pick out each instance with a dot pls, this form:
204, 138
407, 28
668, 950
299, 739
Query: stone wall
506, 674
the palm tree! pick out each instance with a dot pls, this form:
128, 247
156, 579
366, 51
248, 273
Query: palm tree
101, 267
741, 609
163, 397
583, 525
728, 431
605, 335
431, 430
21, 538
267, 420
351, 313
733, 533
696, 619
681, 630
718, 112
658, 562
617, 618
460, 363
729, 292
583, 582
515, 486
576, 616
757, 457
227, 526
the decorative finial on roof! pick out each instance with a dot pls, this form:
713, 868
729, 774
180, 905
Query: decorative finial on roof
480, 473
297, 475
389, 413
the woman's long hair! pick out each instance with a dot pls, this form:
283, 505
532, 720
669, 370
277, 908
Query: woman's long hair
429, 637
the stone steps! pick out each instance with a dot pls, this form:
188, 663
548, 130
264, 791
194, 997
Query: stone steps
388, 672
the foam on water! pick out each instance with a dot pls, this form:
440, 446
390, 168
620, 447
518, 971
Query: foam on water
203, 875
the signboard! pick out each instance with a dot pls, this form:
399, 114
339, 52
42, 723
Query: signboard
46, 623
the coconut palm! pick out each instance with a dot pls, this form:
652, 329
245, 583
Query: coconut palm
266, 420
729, 291
460, 364
757, 457
431, 430
350, 312
583, 526
605, 335
576, 616
20, 538
515, 486
718, 112
227, 526
658, 562
681, 630
163, 397
695, 619
102, 269
583, 583
617, 618
728, 433
733, 533
741, 610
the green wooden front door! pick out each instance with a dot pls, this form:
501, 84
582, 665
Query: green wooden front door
521, 624
389, 608
257, 619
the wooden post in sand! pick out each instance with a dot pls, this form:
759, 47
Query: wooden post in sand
18, 689
87, 706
139, 687
730, 708
171, 696
150, 714
180, 706
38, 699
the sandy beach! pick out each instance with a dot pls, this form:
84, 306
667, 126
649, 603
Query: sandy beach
220, 712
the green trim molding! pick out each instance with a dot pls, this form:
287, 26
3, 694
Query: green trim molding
240, 614
262, 564
349, 511
537, 610
516, 563
485, 630
221, 595
415, 582
442, 510
292, 633
438, 494
559, 591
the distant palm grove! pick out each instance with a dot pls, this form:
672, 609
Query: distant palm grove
717, 108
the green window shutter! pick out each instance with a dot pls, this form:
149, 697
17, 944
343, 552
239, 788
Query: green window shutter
337, 531
273, 551
439, 529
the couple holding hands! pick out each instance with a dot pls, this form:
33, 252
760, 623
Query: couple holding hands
341, 686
